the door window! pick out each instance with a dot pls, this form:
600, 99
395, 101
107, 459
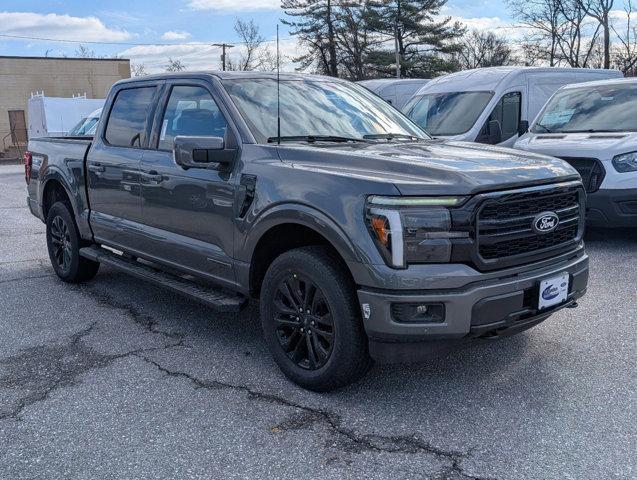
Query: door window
127, 122
190, 111
507, 112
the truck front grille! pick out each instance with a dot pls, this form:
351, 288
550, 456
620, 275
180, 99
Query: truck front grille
505, 231
590, 169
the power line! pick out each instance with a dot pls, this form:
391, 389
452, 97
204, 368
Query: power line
140, 44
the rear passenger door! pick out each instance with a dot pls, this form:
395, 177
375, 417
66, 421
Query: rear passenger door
113, 165
188, 213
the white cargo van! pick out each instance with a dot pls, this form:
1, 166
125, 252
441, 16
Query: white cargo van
491, 105
397, 91
55, 116
593, 126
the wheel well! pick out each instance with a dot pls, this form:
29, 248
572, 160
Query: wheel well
281, 239
53, 192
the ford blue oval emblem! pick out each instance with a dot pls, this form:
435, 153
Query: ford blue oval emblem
545, 222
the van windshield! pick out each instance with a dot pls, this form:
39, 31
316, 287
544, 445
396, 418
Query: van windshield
605, 108
83, 127
450, 113
317, 109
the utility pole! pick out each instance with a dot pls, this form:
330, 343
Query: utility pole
396, 48
223, 54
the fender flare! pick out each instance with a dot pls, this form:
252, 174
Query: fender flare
74, 194
300, 214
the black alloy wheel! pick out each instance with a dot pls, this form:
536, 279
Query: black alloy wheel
311, 319
304, 322
61, 242
64, 242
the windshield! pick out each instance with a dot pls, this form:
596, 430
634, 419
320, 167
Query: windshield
317, 108
84, 127
605, 108
451, 113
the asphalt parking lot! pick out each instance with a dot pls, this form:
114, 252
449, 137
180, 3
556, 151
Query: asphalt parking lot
120, 379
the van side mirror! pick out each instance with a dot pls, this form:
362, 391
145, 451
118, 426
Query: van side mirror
495, 132
203, 152
523, 127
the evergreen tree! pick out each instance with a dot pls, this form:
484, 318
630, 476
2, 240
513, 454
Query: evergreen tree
425, 44
313, 23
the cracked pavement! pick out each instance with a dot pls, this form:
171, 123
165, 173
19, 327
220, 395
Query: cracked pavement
117, 378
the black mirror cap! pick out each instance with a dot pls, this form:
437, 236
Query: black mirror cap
523, 127
202, 152
495, 132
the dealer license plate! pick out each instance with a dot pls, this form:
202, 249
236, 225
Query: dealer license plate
553, 291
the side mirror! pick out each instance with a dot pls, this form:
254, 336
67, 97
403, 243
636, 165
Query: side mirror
202, 152
523, 127
495, 132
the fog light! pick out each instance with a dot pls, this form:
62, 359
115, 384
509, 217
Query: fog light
418, 312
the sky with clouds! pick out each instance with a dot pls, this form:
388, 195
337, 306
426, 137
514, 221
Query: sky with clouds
151, 31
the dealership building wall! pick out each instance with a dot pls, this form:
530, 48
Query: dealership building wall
56, 77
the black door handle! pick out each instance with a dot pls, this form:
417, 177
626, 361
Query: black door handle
153, 176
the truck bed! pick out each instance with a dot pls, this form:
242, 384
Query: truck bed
62, 158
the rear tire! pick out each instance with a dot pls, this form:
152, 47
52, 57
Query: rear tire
64, 242
311, 320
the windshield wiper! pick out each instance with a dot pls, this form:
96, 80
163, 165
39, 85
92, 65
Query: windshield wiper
546, 129
315, 138
388, 136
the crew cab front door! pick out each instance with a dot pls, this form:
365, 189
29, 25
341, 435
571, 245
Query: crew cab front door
188, 212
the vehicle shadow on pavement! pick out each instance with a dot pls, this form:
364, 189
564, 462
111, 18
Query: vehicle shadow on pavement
230, 348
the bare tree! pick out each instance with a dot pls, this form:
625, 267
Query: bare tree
256, 55
600, 10
138, 69
175, 65
561, 32
84, 52
576, 37
484, 49
626, 50
252, 42
543, 19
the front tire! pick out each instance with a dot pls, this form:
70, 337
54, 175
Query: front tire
64, 242
311, 320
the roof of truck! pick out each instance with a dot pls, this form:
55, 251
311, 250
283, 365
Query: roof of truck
229, 75
488, 79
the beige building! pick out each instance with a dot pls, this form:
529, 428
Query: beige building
56, 77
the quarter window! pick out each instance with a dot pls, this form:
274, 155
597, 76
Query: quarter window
190, 111
127, 121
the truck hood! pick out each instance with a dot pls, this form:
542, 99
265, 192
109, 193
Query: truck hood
430, 167
603, 146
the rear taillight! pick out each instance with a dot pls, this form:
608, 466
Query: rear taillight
28, 161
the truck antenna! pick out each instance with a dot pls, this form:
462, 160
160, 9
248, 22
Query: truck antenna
278, 90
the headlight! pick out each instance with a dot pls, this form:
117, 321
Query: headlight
626, 162
412, 229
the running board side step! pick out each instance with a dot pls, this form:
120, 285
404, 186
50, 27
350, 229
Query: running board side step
215, 298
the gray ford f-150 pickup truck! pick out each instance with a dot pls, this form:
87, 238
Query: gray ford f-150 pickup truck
362, 237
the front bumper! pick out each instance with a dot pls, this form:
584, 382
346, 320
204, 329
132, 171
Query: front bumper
612, 208
490, 308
